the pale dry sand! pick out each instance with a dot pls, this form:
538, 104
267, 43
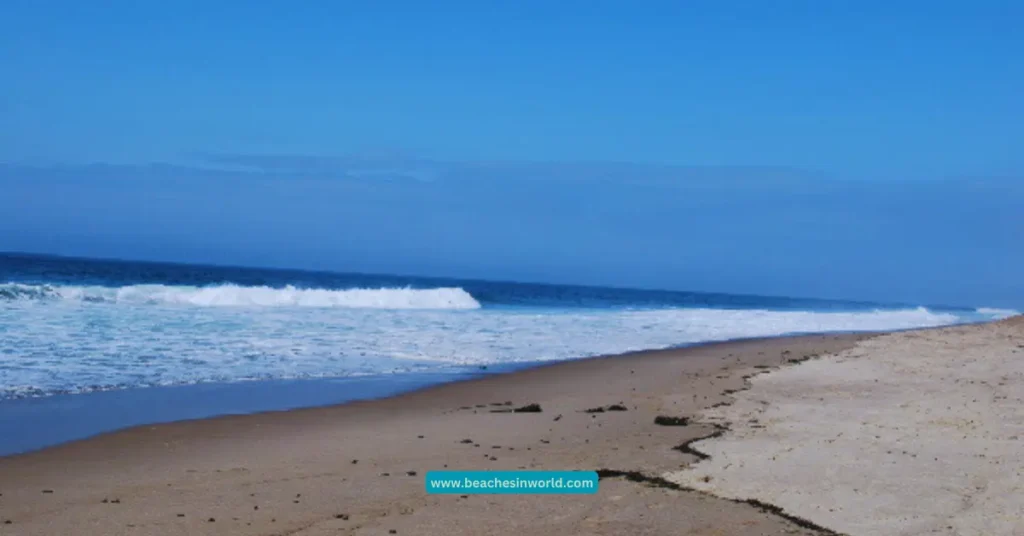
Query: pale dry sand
358, 468
908, 433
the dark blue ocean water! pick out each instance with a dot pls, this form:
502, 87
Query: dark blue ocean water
49, 270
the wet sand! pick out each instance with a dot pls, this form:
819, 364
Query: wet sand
52, 420
358, 468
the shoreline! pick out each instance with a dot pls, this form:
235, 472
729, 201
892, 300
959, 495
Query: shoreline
55, 420
357, 468
49, 421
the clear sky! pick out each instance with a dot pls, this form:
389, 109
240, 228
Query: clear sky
911, 100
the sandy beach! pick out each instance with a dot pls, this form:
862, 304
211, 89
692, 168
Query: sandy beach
907, 433
358, 468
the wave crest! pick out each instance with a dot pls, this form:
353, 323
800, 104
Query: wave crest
230, 295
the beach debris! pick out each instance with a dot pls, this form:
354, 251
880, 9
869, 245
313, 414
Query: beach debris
411, 473
659, 482
343, 517
355, 462
181, 515
687, 447
602, 409
529, 408
47, 491
801, 359
558, 417
638, 477
662, 420
466, 441
211, 520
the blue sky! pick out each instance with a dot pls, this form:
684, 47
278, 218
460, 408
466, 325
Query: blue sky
849, 149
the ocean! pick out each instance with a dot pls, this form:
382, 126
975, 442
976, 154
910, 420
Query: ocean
80, 325
71, 327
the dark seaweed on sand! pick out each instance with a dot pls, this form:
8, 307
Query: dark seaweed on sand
602, 409
529, 408
671, 421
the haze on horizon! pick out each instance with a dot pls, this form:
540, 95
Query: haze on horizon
867, 151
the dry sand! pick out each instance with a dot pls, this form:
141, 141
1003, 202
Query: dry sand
908, 433
358, 468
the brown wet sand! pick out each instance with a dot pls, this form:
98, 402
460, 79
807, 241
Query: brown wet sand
358, 468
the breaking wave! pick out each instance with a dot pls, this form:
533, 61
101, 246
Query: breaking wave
230, 295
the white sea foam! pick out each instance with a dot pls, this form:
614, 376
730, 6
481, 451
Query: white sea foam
230, 295
997, 313
87, 338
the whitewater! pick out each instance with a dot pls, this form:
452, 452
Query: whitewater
230, 295
72, 338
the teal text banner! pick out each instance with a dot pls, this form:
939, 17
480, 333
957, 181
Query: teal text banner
511, 482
